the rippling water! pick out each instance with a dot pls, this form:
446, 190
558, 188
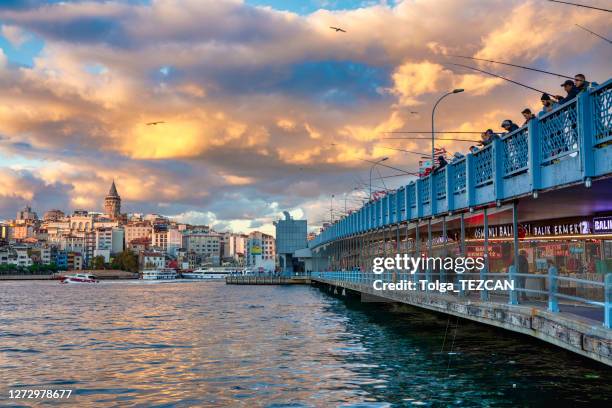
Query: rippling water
207, 344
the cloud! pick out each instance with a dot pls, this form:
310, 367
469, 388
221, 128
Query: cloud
260, 106
15, 35
411, 80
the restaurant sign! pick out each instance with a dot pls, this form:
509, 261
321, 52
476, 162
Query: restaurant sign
537, 229
602, 225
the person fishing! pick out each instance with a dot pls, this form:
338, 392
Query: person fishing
581, 83
547, 104
527, 115
441, 163
487, 137
509, 126
571, 90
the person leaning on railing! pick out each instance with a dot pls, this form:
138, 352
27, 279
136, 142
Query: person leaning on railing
509, 126
528, 115
547, 104
487, 137
571, 90
441, 163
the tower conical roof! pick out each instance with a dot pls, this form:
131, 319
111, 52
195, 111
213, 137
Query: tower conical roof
113, 190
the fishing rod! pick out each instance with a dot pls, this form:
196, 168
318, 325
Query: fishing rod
438, 131
580, 5
402, 150
515, 65
595, 34
407, 151
502, 77
422, 138
384, 165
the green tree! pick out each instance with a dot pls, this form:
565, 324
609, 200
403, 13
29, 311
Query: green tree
98, 262
125, 261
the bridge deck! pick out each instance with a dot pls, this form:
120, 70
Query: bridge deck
576, 328
572, 144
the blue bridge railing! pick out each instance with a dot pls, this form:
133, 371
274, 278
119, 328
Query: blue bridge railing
573, 143
551, 292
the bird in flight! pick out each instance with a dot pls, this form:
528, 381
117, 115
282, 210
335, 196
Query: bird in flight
155, 123
338, 29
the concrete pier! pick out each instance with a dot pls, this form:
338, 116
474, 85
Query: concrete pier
266, 280
575, 333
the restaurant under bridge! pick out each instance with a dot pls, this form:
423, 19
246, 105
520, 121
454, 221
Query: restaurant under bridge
535, 204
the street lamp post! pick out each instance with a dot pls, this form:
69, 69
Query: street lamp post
372, 168
433, 112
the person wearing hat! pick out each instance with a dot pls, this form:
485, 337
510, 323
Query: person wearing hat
571, 90
527, 115
547, 104
509, 126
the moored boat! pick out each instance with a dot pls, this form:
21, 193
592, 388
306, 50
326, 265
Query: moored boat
213, 273
159, 274
79, 278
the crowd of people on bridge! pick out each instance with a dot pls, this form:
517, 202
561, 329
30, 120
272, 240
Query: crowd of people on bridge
549, 103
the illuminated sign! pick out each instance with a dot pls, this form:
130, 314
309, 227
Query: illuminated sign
478, 252
255, 250
602, 225
538, 229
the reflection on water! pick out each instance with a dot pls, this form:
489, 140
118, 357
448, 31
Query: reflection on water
207, 344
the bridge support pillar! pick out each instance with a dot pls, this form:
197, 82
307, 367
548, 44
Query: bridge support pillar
513, 300
585, 134
553, 301
484, 294
608, 301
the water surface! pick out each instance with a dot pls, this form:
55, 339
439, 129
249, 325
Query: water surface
208, 344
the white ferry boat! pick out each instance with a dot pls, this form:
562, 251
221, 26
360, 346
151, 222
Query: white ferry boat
214, 273
159, 274
79, 278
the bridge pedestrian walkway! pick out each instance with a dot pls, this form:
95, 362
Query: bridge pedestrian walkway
575, 325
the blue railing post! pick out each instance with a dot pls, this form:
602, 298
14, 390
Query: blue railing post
608, 300
470, 180
450, 188
498, 168
512, 298
533, 149
418, 198
433, 194
584, 107
407, 204
553, 301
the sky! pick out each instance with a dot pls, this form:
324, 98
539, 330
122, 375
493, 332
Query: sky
265, 108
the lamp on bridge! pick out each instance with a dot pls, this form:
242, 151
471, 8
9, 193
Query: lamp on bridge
433, 112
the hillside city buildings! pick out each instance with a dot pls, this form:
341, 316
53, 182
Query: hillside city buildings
74, 241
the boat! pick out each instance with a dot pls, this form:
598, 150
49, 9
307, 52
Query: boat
79, 278
212, 273
159, 274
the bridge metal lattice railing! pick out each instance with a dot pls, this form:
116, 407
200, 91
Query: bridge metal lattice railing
551, 294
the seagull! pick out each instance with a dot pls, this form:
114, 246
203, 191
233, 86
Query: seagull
337, 29
155, 123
